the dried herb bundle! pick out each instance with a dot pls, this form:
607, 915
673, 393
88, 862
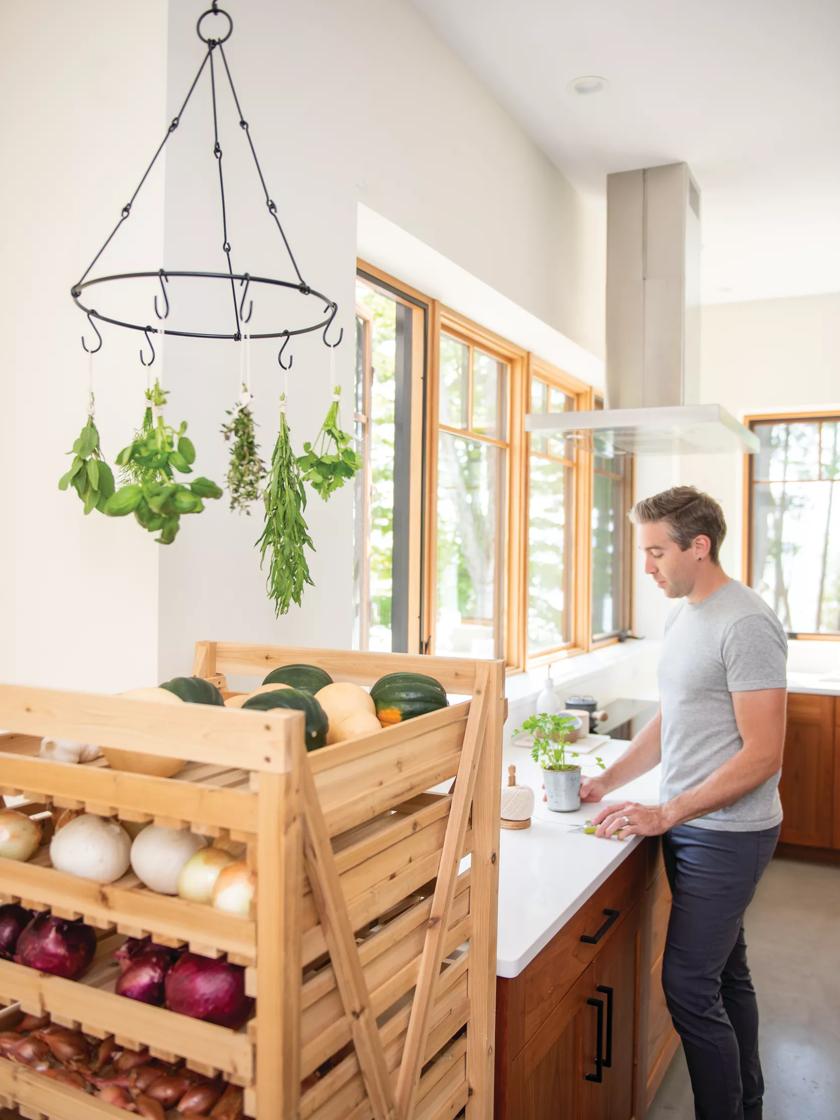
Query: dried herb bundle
285, 536
246, 470
89, 474
332, 460
151, 493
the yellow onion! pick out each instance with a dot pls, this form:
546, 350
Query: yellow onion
235, 889
19, 835
200, 872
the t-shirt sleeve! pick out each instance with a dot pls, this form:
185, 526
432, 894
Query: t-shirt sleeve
755, 654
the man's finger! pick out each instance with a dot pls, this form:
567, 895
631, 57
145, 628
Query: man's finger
608, 811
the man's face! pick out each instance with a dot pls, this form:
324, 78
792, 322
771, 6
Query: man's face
673, 570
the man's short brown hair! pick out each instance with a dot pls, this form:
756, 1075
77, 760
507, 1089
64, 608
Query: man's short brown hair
688, 512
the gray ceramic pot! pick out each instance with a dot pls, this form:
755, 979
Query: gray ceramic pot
562, 788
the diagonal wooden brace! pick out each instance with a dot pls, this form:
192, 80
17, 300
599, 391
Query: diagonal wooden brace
350, 980
438, 922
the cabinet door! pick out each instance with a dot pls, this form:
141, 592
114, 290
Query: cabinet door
807, 785
615, 984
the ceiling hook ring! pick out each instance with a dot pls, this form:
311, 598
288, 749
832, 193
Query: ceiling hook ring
85, 346
151, 361
162, 277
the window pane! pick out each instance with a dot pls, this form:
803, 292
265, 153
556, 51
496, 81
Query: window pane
609, 550
376, 566
550, 534
488, 396
454, 377
361, 582
796, 553
558, 401
788, 451
468, 577
830, 450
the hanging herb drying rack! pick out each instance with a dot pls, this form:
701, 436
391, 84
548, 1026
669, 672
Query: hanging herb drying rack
81, 290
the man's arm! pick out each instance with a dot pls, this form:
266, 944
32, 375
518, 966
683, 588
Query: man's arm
642, 755
760, 717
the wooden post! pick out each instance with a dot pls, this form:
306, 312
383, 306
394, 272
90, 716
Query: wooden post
204, 662
279, 891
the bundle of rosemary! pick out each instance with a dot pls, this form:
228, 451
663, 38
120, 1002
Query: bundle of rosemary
285, 536
150, 491
332, 460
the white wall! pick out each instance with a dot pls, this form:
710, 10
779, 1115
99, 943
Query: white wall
82, 96
347, 104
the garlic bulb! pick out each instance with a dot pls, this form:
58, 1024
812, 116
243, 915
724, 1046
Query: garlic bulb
67, 750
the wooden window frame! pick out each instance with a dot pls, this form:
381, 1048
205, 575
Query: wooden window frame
747, 498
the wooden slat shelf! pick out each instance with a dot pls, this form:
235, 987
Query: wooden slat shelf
371, 953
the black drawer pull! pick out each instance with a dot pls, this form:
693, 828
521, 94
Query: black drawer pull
608, 992
598, 1075
593, 939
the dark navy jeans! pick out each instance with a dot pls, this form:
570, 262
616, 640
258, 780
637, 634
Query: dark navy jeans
713, 876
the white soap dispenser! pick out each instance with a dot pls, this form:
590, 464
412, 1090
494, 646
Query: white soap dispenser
547, 699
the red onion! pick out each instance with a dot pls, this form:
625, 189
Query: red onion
13, 920
57, 946
208, 989
143, 978
135, 947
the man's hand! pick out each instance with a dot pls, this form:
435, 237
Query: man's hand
594, 789
631, 819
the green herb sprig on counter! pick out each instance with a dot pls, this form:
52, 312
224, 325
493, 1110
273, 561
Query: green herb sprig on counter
246, 469
331, 461
149, 461
89, 474
285, 536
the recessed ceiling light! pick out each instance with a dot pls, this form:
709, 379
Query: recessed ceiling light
588, 83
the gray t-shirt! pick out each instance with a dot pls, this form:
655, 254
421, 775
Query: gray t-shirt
730, 642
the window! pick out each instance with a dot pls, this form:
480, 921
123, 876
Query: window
471, 508
611, 543
551, 519
390, 355
793, 521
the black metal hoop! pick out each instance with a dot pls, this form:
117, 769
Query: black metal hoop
301, 289
214, 12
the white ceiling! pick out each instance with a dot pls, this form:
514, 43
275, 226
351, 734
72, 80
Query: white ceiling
747, 92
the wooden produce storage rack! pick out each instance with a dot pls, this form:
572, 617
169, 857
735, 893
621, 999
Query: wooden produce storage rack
372, 950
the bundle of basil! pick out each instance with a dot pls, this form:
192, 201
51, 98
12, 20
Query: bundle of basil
89, 474
148, 462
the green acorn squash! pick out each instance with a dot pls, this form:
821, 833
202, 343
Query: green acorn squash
194, 690
317, 725
402, 696
307, 678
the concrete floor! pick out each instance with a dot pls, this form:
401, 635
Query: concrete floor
793, 938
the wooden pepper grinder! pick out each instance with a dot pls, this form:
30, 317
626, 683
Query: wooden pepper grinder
517, 803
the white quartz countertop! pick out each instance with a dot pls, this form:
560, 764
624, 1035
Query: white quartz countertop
547, 872
825, 684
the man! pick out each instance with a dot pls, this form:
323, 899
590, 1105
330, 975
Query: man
719, 735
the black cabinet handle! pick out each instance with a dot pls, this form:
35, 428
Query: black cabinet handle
593, 939
608, 992
598, 1075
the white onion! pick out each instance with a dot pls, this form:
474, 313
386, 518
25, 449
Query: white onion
200, 872
235, 889
92, 847
158, 854
67, 750
19, 835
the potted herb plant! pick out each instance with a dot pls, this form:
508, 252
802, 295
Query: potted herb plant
561, 775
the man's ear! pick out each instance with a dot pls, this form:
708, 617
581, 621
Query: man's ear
702, 546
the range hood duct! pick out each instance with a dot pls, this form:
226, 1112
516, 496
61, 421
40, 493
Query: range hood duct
653, 327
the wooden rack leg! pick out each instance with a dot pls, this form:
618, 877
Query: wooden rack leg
338, 932
438, 923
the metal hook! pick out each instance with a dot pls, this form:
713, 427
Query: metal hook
151, 347
85, 346
332, 345
280, 361
246, 280
162, 276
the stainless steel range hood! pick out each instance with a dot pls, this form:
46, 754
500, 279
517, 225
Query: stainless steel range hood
653, 327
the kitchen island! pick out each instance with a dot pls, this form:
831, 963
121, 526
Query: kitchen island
582, 1027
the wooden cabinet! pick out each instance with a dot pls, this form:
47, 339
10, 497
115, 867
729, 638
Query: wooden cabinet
809, 788
567, 1025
